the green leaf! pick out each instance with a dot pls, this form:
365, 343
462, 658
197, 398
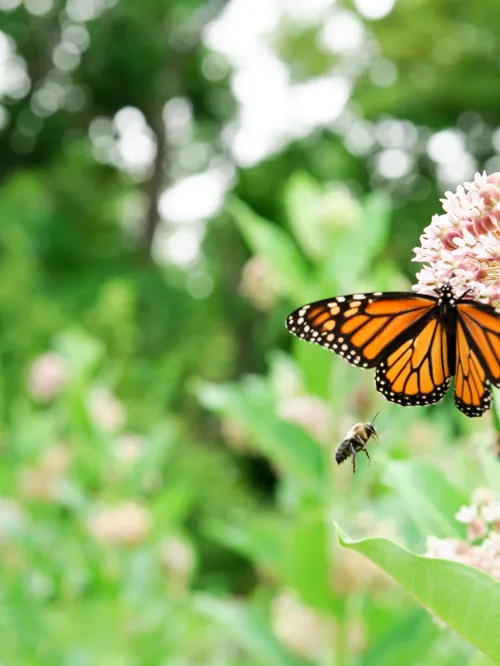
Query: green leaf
357, 246
251, 405
308, 564
290, 272
376, 221
302, 197
408, 634
261, 539
467, 599
430, 499
316, 366
246, 629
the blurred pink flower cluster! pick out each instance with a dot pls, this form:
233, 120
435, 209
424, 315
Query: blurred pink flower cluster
481, 548
462, 246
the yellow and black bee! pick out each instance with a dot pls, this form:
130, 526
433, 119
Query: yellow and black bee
356, 441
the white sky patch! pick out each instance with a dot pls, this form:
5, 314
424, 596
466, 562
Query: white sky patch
374, 9
85, 10
127, 141
135, 146
383, 73
496, 139
342, 32
178, 118
72, 33
47, 99
359, 138
8, 5
446, 146
179, 245
319, 101
38, 7
66, 56
195, 198
237, 31
394, 163
451, 174
272, 111
396, 134
305, 11
14, 79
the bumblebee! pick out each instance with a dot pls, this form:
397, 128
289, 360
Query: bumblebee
356, 441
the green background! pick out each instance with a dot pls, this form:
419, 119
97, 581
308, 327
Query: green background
176, 177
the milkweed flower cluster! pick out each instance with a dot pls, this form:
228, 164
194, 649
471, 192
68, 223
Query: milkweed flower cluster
297, 626
462, 246
481, 548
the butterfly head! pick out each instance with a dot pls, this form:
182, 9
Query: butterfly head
446, 295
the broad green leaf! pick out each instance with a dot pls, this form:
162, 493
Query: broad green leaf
246, 629
408, 634
251, 405
308, 564
302, 196
430, 498
317, 367
290, 273
261, 539
376, 220
467, 599
355, 248
480, 660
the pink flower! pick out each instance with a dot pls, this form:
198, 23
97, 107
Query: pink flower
481, 548
125, 524
462, 246
106, 411
47, 377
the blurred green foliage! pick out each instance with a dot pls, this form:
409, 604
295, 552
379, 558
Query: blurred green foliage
168, 486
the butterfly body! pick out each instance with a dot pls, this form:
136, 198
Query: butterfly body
415, 342
354, 442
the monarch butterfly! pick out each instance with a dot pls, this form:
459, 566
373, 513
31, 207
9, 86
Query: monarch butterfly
415, 342
356, 441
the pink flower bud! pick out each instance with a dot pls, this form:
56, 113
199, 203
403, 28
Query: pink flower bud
479, 274
47, 377
494, 291
495, 212
494, 178
489, 194
449, 237
483, 224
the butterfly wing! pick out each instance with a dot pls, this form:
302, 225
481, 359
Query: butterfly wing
416, 372
361, 327
478, 356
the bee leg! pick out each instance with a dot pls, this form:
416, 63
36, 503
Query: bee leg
363, 448
353, 453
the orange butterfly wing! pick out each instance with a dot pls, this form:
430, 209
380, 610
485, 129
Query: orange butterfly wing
478, 356
361, 327
417, 372
403, 336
